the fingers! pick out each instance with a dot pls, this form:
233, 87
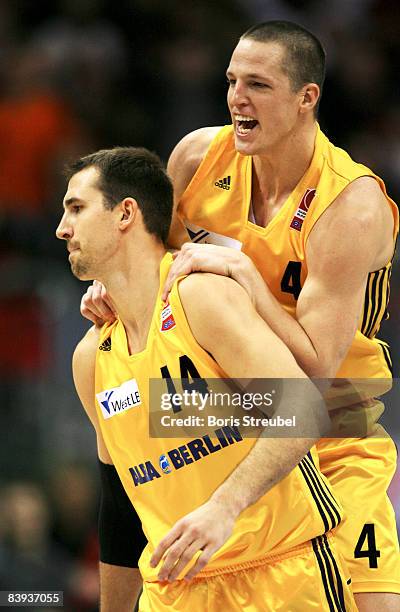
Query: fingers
164, 544
96, 305
201, 561
86, 310
106, 300
182, 265
185, 262
178, 557
202, 258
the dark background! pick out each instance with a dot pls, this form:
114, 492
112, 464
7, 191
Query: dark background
77, 75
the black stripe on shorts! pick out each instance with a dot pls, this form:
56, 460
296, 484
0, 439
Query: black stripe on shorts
315, 497
326, 507
334, 594
325, 491
336, 570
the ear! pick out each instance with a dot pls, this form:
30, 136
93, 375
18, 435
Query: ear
309, 96
127, 213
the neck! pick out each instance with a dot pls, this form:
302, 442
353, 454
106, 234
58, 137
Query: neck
133, 287
277, 172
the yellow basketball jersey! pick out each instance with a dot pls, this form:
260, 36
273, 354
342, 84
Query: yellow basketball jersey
165, 478
216, 207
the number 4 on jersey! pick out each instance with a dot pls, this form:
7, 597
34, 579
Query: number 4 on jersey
290, 282
367, 533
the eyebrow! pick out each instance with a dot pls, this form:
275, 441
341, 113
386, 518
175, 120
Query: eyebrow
252, 75
71, 201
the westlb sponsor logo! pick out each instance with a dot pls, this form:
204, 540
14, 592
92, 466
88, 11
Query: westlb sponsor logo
119, 399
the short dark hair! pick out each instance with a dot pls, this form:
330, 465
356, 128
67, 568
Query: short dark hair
305, 55
137, 173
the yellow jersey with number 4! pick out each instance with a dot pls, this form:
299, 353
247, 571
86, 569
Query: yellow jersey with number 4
216, 208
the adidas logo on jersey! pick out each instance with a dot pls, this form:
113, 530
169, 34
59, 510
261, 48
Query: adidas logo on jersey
224, 183
106, 345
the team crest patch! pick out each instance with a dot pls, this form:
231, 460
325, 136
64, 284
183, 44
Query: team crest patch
167, 318
301, 212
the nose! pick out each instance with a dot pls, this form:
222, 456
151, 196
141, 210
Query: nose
238, 94
64, 231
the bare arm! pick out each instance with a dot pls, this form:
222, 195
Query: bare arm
240, 342
119, 586
182, 166
352, 238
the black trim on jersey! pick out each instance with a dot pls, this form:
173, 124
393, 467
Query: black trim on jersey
386, 312
386, 353
367, 301
376, 296
325, 504
379, 303
334, 594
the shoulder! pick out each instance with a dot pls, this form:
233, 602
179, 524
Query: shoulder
87, 347
84, 357
188, 155
213, 304
209, 292
359, 219
363, 204
364, 195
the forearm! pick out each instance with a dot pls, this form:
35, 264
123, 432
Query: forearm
273, 457
288, 329
119, 587
269, 461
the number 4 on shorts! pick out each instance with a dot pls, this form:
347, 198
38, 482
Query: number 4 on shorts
367, 533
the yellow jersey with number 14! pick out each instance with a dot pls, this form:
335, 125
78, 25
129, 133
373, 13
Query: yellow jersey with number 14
216, 208
166, 478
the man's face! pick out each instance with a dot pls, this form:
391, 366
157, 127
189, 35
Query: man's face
263, 106
88, 227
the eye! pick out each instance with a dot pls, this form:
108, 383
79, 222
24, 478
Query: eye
259, 85
76, 208
230, 82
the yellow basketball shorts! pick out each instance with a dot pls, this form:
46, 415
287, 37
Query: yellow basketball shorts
360, 471
309, 577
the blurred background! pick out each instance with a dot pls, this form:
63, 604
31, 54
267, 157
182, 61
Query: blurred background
78, 75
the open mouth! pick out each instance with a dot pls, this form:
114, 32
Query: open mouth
244, 124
